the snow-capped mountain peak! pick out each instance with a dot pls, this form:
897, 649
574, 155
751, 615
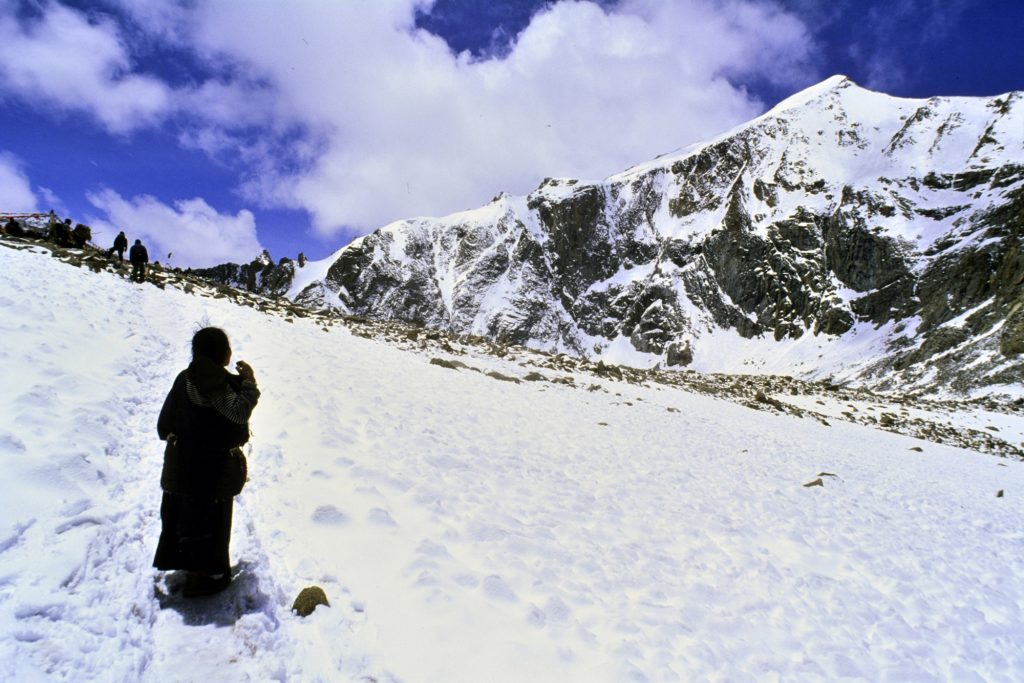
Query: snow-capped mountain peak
844, 232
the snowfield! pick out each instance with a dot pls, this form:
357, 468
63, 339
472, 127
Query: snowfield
470, 529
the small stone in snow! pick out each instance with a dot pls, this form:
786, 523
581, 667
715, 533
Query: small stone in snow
450, 364
504, 378
308, 599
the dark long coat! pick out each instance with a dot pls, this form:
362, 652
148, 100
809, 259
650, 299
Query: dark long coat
138, 254
207, 411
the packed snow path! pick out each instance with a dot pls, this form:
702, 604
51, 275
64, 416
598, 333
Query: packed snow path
466, 528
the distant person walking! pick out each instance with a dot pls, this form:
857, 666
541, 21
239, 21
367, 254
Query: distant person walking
120, 245
139, 257
204, 420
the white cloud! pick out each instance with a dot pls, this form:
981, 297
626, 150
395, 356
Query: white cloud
407, 128
194, 232
346, 110
62, 59
16, 194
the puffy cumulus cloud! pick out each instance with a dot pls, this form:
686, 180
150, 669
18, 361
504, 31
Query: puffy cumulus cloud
404, 127
16, 194
60, 58
191, 230
350, 112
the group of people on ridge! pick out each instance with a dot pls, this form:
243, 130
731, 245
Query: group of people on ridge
61, 233
57, 231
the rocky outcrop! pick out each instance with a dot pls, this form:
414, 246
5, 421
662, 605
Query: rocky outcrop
260, 276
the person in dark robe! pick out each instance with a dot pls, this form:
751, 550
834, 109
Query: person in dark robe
120, 245
139, 257
205, 416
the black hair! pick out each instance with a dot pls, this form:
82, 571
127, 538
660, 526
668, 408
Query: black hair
211, 343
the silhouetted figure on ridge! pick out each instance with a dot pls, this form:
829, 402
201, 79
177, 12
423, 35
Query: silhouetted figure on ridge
139, 257
120, 246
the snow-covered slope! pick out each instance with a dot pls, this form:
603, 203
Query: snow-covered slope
844, 233
469, 528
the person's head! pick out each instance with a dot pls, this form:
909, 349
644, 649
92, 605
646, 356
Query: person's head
138, 241
211, 343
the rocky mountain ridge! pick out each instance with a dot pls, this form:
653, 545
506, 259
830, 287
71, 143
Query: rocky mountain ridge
844, 234
825, 401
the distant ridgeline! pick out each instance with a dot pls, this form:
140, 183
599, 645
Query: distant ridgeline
884, 234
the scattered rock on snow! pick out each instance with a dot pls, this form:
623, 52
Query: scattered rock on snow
504, 378
450, 364
816, 482
308, 599
761, 397
608, 370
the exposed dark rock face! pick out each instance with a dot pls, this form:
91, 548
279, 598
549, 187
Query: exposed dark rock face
821, 220
375, 276
261, 276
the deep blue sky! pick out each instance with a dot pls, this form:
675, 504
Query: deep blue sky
70, 147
